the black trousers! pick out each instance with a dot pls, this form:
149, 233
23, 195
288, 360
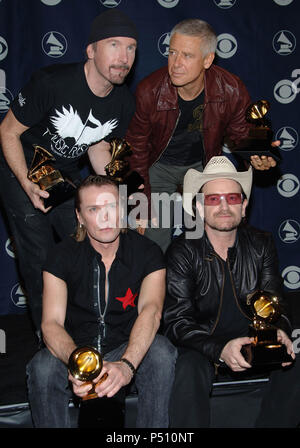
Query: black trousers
190, 397
189, 403
34, 232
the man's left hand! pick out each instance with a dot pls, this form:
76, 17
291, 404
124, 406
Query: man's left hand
264, 162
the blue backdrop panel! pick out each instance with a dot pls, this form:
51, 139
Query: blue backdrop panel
258, 40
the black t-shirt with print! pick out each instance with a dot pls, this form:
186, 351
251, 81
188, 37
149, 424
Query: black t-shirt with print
185, 146
65, 117
74, 262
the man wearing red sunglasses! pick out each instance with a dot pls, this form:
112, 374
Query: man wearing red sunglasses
208, 280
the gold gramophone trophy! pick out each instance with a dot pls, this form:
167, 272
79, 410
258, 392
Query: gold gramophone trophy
85, 364
118, 168
48, 178
260, 135
265, 349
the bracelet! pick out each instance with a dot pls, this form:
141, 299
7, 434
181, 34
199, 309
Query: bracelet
129, 364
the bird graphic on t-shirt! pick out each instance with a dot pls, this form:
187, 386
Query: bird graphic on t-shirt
68, 124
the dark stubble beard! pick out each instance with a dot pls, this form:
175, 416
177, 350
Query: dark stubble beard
119, 79
224, 229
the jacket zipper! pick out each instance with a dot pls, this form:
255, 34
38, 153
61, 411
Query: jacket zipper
202, 138
221, 299
100, 319
234, 292
216, 364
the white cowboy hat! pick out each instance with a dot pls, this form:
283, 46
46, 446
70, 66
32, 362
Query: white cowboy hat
219, 167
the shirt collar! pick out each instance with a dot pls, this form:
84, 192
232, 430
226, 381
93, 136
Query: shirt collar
121, 254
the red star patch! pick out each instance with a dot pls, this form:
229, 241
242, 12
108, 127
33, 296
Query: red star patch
128, 299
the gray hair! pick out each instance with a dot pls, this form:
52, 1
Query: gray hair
199, 28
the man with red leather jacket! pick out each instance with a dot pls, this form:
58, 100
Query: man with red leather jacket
183, 112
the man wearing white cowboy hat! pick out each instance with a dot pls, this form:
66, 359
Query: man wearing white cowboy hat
208, 281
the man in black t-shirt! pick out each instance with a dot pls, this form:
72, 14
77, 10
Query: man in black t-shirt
105, 288
209, 282
70, 110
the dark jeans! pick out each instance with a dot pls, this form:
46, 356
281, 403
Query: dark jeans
190, 397
49, 391
166, 179
33, 233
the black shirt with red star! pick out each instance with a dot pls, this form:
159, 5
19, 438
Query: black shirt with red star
90, 320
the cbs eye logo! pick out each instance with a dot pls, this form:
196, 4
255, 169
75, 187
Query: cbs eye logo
291, 277
285, 91
288, 185
283, 2
3, 48
51, 2
168, 3
225, 4
110, 3
226, 45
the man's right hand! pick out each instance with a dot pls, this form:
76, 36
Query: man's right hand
231, 354
36, 195
80, 388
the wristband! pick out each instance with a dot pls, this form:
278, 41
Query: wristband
129, 364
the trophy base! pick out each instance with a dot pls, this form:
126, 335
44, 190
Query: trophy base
92, 394
102, 413
256, 147
133, 181
59, 193
265, 354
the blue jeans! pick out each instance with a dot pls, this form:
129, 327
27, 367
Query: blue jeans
49, 392
33, 234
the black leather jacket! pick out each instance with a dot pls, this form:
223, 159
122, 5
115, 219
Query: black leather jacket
195, 281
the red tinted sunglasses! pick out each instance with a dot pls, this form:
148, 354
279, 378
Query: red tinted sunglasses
215, 199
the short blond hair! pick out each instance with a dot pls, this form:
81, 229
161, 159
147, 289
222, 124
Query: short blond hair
198, 28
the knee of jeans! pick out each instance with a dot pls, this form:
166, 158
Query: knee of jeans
162, 352
43, 367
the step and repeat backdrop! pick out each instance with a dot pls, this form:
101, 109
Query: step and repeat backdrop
258, 40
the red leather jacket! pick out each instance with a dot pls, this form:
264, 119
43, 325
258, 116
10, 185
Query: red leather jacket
157, 112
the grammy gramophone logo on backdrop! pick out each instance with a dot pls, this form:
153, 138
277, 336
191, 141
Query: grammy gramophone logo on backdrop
284, 42
288, 137
5, 95
54, 44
